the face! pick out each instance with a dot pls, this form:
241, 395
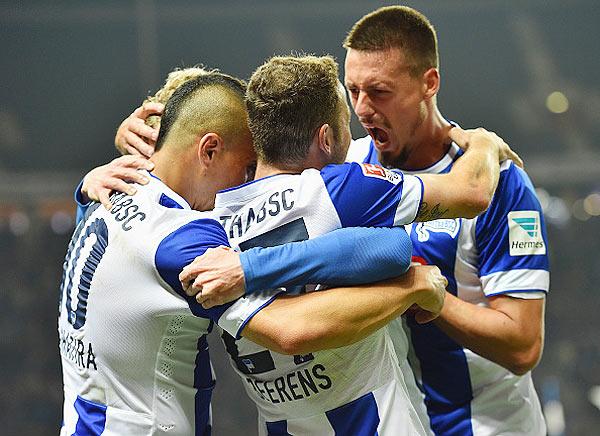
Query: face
237, 164
387, 100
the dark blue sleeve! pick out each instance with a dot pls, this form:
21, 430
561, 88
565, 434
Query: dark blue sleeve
367, 195
81, 206
349, 256
180, 248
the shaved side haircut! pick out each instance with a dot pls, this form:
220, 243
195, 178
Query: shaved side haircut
213, 102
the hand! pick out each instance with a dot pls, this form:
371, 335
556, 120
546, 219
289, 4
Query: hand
480, 136
114, 176
431, 282
215, 278
134, 136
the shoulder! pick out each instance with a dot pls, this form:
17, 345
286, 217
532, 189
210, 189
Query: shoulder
515, 189
189, 239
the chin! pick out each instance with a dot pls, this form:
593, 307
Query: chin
393, 161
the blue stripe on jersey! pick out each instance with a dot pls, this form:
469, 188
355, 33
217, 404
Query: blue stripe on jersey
92, 418
514, 193
444, 370
277, 428
204, 383
359, 200
180, 248
445, 378
167, 201
357, 418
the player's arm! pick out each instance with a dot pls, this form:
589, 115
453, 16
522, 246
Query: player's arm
513, 267
306, 322
349, 256
510, 332
134, 136
467, 190
369, 195
338, 317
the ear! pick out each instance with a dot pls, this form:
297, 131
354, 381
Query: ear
325, 139
208, 147
431, 83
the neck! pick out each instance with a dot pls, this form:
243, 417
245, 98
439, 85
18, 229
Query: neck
264, 169
431, 141
174, 171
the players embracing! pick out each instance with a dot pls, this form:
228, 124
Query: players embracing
473, 362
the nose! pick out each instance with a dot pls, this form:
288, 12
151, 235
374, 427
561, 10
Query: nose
363, 108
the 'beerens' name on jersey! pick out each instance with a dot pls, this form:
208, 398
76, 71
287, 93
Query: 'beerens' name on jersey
313, 393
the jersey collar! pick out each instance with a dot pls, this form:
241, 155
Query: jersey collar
166, 196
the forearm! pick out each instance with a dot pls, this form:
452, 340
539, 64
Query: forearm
478, 171
342, 257
511, 339
329, 319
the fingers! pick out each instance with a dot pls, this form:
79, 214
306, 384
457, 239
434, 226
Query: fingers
139, 146
460, 137
119, 185
129, 175
134, 161
104, 198
188, 277
147, 109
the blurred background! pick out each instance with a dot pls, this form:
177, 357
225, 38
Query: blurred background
71, 71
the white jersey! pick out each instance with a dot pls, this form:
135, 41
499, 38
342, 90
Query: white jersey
133, 346
501, 252
357, 389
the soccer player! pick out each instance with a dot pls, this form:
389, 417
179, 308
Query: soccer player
358, 389
135, 358
474, 362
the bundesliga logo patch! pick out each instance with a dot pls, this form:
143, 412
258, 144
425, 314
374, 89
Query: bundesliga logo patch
370, 170
525, 233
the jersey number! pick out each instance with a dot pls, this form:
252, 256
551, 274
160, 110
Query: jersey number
93, 245
262, 361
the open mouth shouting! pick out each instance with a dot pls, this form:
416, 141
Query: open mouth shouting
381, 137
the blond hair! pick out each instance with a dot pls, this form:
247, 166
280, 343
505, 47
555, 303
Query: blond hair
175, 79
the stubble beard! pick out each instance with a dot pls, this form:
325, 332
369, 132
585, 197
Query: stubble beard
399, 161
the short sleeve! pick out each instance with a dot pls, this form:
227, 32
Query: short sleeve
370, 195
180, 248
82, 206
511, 239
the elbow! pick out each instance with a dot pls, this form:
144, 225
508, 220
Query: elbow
478, 202
292, 342
290, 347
524, 361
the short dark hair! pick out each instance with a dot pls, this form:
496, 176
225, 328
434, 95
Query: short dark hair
184, 94
397, 27
288, 99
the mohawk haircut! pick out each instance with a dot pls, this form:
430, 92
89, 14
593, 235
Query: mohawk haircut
213, 109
